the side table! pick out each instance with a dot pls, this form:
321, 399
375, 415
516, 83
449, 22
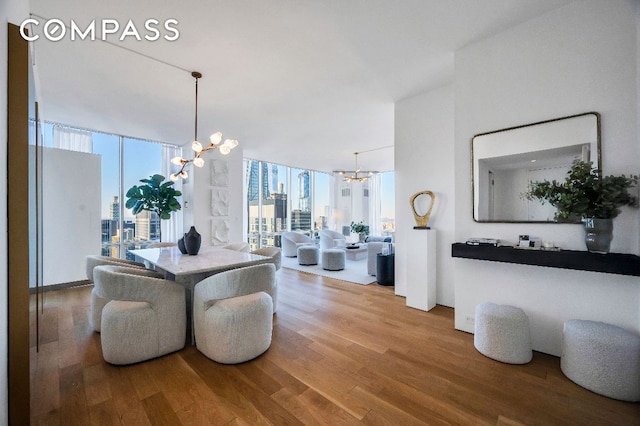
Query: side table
385, 269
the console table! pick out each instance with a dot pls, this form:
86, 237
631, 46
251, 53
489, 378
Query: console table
612, 263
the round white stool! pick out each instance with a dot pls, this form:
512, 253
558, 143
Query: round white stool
307, 255
502, 333
603, 358
333, 259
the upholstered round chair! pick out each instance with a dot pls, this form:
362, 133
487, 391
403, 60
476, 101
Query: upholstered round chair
291, 241
233, 313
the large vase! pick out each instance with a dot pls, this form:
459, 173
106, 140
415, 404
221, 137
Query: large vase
362, 237
598, 234
192, 241
181, 246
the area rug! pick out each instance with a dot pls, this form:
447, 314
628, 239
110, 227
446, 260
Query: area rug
355, 271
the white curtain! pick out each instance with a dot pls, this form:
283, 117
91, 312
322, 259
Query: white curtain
171, 228
72, 139
375, 205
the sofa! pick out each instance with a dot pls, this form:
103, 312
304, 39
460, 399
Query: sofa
373, 248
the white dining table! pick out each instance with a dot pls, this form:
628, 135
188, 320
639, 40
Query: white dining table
189, 270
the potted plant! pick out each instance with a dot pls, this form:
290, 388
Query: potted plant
154, 196
587, 194
361, 229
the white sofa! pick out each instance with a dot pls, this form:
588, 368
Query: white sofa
331, 239
373, 248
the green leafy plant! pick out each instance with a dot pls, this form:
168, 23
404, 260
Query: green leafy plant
359, 228
154, 196
585, 193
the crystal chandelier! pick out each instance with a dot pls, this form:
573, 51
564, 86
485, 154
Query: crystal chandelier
355, 175
214, 143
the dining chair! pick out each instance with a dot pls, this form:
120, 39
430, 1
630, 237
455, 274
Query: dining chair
240, 246
145, 316
233, 313
275, 253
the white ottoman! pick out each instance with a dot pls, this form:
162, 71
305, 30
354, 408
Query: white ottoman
502, 333
603, 358
333, 259
307, 255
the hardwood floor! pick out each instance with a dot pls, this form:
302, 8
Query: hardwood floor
341, 354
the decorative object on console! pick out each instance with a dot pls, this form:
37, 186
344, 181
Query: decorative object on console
357, 174
421, 220
192, 241
154, 196
586, 193
493, 242
361, 229
214, 143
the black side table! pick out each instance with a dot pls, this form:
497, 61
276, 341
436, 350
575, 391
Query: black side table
385, 269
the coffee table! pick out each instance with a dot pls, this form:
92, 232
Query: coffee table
358, 253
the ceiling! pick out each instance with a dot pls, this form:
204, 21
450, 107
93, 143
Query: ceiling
304, 83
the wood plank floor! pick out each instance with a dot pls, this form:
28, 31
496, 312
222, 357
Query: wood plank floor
341, 354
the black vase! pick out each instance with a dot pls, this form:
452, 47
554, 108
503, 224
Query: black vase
181, 246
192, 241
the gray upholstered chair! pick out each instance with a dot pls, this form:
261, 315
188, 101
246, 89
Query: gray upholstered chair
94, 260
331, 239
145, 317
291, 241
97, 302
275, 253
160, 245
240, 246
233, 313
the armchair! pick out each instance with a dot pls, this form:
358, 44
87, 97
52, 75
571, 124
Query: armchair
291, 241
331, 239
145, 317
233, 313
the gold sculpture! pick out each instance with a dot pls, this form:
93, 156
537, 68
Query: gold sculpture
421, 221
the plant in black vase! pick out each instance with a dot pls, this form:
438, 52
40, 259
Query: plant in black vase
588, 195
155, 196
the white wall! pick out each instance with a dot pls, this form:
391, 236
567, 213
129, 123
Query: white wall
578, 58
424, 156
71, 213
197, 208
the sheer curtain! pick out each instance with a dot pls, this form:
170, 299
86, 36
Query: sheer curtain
72, 139
375, 205
171, 228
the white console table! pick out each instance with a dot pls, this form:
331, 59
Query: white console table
421, 268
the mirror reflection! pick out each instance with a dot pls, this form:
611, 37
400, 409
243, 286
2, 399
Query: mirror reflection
504, 162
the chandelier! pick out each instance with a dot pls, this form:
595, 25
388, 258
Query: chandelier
214, 143
357, 174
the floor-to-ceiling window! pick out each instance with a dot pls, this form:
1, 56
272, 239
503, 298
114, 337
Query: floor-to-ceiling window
124, 161
281, 198
388, 204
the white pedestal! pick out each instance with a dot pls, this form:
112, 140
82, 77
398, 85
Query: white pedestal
421, 268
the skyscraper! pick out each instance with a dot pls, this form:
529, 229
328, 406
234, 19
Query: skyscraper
114, 209
304, 190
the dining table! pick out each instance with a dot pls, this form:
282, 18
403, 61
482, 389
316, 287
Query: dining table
189, 270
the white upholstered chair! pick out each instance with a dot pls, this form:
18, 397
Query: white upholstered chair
241, 246
145, 317
291, 241
275, 253
94, 260
331, 239
233, 313
97, 302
